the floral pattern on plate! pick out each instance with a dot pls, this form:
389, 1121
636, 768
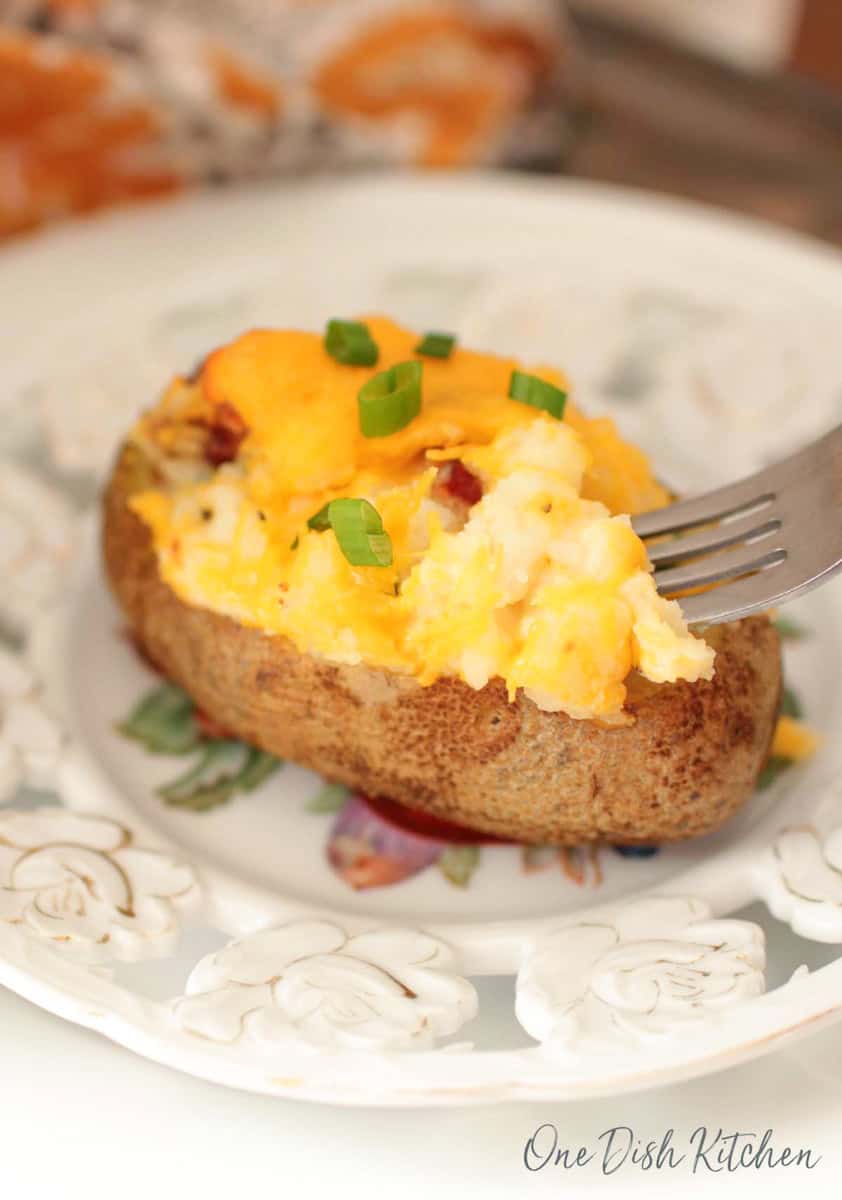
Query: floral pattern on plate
372, 842
166, 721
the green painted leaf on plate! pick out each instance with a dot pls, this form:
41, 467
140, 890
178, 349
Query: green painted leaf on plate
538, 858
163, 722
330, 799
458, 863
222, 770
791, 706
775, 766
790, 630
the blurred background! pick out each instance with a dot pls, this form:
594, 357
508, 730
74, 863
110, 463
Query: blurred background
737, 102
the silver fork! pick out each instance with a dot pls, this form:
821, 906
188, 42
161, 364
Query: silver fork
754, 544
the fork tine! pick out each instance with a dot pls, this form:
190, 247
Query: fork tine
729, 564
714, 537
761, 571
756, 491
729, 501
756, 594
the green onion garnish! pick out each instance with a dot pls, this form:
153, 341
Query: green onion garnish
436, 345
359, 532
350, 342
320, 519
390, 399
529, 389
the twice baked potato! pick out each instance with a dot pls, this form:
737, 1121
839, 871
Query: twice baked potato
653, 762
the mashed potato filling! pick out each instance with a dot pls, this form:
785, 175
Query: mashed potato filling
542, 583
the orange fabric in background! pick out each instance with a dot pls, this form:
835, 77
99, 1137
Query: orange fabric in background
103, 102
390, 68
818, 41
61, 148
242, 88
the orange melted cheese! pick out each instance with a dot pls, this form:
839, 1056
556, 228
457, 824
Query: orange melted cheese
793, 740
544, 584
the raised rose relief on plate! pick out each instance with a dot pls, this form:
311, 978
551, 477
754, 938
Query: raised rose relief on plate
83, 885
799, 875
309, 982
643, 971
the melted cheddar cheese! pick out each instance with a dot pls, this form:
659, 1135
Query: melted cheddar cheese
542, 583
793, 740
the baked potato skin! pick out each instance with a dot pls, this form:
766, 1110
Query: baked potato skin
683, 768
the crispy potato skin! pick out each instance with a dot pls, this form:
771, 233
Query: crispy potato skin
686, 764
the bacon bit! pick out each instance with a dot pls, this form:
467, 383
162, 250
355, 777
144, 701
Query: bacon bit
455, 483
225, 435
210, 728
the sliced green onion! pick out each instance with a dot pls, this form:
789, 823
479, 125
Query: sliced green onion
390, 399
436, 345
350, 342
320, 520
359, 532
529, 389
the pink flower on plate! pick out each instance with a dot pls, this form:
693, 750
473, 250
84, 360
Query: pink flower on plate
372, 844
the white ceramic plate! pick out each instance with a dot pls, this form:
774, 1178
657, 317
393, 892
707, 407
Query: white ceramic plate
224, 942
